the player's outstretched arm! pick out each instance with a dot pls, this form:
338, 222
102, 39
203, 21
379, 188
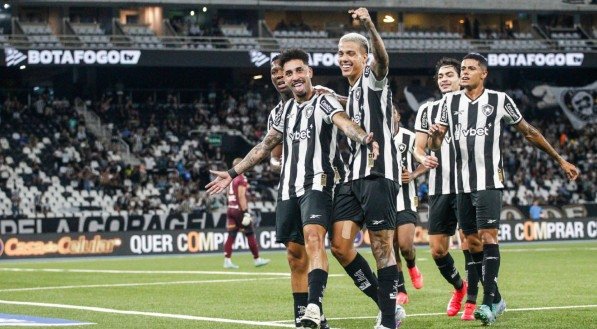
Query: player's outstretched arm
381, 60
322, 90
355, 132
256, 155
533, 135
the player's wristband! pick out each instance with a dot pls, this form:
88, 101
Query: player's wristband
232, 173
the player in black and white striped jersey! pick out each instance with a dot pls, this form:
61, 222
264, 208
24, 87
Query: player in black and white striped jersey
406, 206
474, 118
308, 127
368, 195
277, 77
443, 215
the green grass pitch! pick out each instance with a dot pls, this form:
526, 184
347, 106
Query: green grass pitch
546, 285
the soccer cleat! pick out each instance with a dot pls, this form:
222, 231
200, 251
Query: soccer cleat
228, 264
499, 308
312, 317
456, 301
324, 323
416, 277
485, 314
402, 299
261, 262
469, 309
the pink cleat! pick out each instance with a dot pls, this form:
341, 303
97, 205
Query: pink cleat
468, 314
416, 277
456, 301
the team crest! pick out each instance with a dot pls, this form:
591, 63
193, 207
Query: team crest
357, 118
402, 147
487, 109
357, 93
309, 111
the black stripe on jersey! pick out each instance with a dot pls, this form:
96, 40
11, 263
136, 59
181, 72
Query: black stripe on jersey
492, 99
311, 145
376, 124
456, 120
361, 110
473, 111
391, 128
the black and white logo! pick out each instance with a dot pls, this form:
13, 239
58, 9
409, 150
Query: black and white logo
309, 111
13, 57
424, 120
258, 58
402, 147
72, 57
487, 109
581, 102
357, 93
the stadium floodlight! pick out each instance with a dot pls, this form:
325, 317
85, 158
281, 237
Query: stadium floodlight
192, 13
204, 9
257, 77
6, 6
388, 19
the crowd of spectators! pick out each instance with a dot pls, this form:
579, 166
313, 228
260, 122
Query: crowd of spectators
170, 141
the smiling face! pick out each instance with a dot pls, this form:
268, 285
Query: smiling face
277, 75
352, 59
297, 76
448, 79
472, 74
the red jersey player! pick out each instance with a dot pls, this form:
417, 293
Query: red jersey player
239, 218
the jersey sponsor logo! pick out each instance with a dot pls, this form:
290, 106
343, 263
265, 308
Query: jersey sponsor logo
326, 106
309, 111
470, 132
444, 114
510, 109
300, 135
424, 120
487, 109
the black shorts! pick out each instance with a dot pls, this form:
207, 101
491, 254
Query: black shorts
443, 215
406, 217
234, 220
479, 210
313, 207
370, 200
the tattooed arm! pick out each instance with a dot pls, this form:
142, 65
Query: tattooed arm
536, 138
355, 132
255, 156
381, 61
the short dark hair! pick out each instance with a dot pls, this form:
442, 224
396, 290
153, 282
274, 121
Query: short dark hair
447, 61
478, 57
275, 58
295, 53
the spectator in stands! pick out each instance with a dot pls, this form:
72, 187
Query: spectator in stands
536, 211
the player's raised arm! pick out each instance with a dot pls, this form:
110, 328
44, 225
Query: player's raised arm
535, 137
255, 156
381, 60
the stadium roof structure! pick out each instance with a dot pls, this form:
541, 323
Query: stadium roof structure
444, 5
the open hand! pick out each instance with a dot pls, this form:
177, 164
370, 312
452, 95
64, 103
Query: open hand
218, 185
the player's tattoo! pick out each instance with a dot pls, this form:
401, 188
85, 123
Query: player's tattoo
533, 135
259, 152
382, 248
355, 132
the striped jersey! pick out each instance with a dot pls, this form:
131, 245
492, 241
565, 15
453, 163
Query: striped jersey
310, 141
369, 104
272, 115
405, 144
476, 130
442, 180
